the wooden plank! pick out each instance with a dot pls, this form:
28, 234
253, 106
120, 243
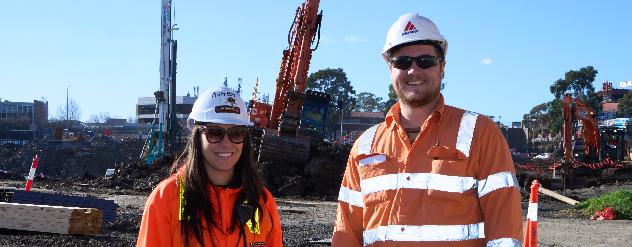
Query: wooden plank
40, 198
557, 196
53, 219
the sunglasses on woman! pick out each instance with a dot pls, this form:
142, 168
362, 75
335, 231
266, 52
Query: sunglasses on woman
215, 134
423, 61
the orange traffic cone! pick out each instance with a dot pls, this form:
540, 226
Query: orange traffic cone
531, 228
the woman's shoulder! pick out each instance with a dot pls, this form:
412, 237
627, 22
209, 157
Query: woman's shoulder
167, 188
267, 197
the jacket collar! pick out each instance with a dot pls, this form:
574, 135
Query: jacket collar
395, 112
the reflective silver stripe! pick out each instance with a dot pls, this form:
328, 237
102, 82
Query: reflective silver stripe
504, 242
366, 140
466, 132
372, 160
351, 196
417, 181
424, 233
496, 181
532, 211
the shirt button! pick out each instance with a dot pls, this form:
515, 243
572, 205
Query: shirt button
408, 178
402, 229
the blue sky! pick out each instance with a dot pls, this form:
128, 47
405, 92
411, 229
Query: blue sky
502, 56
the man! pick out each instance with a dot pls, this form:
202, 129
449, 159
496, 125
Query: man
430, 174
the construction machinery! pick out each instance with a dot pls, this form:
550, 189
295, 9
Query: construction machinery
588, 148
162, 135
582, 145
296, 114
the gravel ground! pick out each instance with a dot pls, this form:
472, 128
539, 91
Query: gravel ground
307, 220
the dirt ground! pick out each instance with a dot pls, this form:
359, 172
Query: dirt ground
307, 220
305, 194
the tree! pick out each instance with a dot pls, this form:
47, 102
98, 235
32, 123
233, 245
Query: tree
74, 112
335, 83
392, 99
368, 102
579, 84
545, 117
548, 115
101, 117
624, 109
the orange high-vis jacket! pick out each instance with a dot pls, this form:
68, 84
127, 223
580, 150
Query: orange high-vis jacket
160, 225
454, 186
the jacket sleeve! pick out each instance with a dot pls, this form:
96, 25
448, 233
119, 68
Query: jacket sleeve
348, 226
275, 238
155, 226
498, 191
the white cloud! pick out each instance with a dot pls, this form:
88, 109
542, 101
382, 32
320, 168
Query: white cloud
326, 40
486, 61
353, 39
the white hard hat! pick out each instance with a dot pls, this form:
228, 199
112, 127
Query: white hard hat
410, 28
220, 105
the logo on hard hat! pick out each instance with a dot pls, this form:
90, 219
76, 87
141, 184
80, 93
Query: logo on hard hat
227, 109
410, 28
223, 94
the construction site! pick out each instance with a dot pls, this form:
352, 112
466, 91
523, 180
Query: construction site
73, 183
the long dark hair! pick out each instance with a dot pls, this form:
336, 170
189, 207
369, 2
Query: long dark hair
195, 196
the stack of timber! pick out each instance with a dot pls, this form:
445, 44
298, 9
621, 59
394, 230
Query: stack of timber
39, 198
53, 219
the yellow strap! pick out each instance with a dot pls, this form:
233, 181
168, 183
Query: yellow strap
254, 229
181, 189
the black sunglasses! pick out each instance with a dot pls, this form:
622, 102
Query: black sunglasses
423, 61
215, 134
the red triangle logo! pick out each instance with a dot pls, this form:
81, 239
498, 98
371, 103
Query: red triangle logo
409, 27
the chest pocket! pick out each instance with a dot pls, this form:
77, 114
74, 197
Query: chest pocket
453, 165
448, 161
376, 172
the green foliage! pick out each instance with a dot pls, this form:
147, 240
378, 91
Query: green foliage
555, 119
620, 201
624, 109
335, 83
545, 117
392, 99
368, 102
577, 82
548, 115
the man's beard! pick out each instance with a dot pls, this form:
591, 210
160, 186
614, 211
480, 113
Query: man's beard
418, 100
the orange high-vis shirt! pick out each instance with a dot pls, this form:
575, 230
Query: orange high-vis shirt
454, 186
160, 225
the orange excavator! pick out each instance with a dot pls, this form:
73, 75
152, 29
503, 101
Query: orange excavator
295, 111
583, 144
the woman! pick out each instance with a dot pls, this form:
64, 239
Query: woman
213, 184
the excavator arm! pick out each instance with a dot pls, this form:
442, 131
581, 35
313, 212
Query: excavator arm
278, 136
573, 110
292, 79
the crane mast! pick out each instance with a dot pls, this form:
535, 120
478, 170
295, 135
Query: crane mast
165, 118
165, 58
